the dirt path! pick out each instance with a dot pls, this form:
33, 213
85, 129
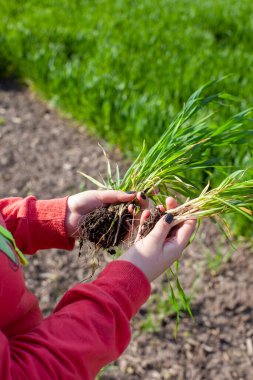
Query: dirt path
40, 154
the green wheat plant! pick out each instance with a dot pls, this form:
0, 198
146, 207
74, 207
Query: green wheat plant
233, 195
183, 149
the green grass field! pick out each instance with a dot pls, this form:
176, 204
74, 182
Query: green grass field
126, 67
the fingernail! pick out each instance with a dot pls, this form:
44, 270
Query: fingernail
131, 192
169, 218
143, 196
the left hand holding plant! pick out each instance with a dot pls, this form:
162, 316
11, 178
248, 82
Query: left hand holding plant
82, 203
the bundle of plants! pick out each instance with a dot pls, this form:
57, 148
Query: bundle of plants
233, 195
169, 165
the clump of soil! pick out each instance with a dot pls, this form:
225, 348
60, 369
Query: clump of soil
106, 227
150, 223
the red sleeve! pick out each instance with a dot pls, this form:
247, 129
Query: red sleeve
88, 329
36, 224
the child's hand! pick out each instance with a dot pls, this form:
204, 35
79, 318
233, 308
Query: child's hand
162, 246
82, 203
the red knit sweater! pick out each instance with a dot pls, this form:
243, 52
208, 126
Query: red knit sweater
90, 325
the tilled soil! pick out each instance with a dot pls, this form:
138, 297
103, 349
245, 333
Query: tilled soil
41, 152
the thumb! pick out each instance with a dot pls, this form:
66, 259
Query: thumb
162, 227
114, 196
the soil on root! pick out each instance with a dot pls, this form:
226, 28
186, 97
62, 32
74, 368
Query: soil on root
106, 227
150, 223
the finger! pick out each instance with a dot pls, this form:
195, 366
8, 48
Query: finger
162, 228
161, 208
129, 234
144, 217
135, 212
185, 231
143, 200
114, 196
131, 208
143, 203
171, 203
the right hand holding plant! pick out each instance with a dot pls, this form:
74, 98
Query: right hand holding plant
162, 246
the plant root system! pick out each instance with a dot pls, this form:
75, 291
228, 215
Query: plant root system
105, 227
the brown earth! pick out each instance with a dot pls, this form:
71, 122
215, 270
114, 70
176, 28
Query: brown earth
41, 152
